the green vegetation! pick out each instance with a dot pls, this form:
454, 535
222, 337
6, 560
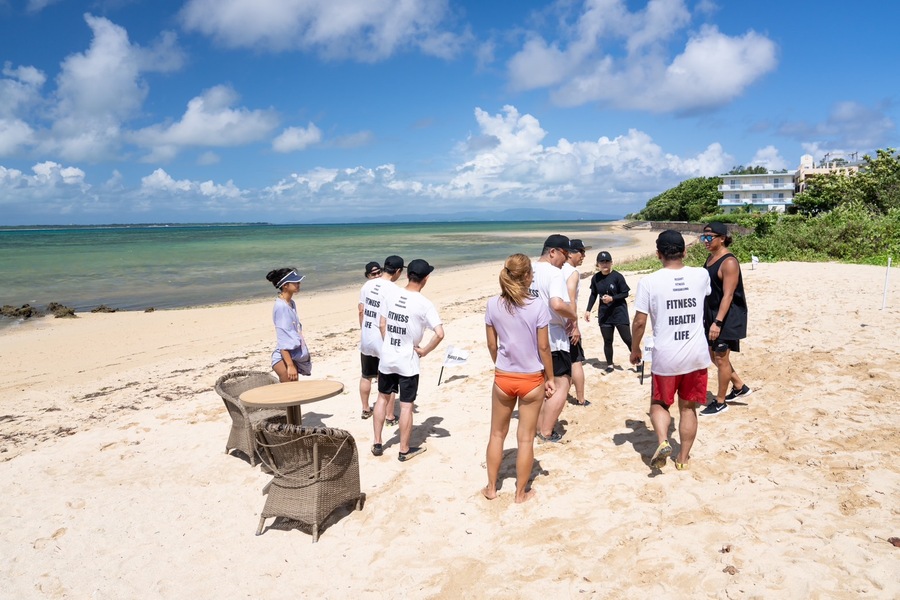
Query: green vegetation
850, 218
688, 201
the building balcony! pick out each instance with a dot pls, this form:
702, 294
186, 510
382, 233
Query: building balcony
784, 185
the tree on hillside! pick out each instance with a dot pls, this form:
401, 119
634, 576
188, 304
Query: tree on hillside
876, 185
690, 200
742, 170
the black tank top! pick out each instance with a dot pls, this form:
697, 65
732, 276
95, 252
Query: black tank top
734, 325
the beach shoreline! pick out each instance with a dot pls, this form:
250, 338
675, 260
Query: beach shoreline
117, 485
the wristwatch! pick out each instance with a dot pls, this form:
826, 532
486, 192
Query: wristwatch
718, 323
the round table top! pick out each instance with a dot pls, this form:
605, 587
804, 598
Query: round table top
292, 393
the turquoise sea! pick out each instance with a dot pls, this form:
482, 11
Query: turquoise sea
137, 267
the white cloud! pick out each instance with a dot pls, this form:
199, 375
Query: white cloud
99, 89
363, 30
210, 120
34, 6
770, 158
14, 135
208, 158
20, 90
631, 60
160, 181
849, 125
297, 138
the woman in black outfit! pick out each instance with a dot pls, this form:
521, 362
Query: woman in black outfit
612, 312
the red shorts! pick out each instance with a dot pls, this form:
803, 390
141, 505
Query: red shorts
517, 385
691, 387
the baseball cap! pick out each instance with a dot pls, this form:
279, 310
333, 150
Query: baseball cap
373, 268
393, 263
576, 245
557, 241
670, 241
604, 257
292, 277
717, 228
419, 268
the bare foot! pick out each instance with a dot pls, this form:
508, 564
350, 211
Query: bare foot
488, 492
525, 497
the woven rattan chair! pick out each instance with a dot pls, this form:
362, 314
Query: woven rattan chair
230, 387
316, 472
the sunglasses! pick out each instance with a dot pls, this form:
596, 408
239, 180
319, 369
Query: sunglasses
708, 237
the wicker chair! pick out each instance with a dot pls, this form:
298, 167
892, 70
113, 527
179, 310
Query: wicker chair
316, 472
230, 387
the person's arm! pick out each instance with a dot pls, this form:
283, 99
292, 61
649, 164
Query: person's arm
572, 286
433, 342
491, 334
543, 339
624, 290
563, 308
361, 310
382, 327
637, 335
729, 272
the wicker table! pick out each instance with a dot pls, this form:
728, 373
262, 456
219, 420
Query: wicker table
290, 395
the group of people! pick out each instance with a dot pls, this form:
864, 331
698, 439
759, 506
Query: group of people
698, 315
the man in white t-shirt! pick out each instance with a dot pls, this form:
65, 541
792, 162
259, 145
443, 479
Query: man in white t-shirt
550, 286
573, 279
404, 319
674, 298
380, 283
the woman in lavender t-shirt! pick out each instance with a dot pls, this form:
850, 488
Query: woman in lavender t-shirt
519, 344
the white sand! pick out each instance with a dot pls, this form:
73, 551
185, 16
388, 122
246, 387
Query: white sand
115, 483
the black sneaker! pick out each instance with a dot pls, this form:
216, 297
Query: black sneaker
377, 450
714, 408
744, 391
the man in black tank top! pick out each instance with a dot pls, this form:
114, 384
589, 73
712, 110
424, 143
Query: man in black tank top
725, 317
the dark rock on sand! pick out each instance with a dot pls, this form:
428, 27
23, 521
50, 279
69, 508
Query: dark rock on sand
61, 312
151, 309
104, 309
26, 311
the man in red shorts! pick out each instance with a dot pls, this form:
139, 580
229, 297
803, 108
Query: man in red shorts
674, 298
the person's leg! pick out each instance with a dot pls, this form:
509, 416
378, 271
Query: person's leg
578, 381
281, 370
529, 410
722, 359
389, 409
687, 429
607, 333
502, 406
625, 333
553, 406
661, 419
406, 422
365, 388
378, 415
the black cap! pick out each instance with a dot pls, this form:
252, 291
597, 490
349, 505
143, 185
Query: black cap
373, 268
578, 246
393, 263
604, 257
557, 241
419, 268
717, 228
670, 242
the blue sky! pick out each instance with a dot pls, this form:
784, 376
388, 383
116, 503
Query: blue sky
291, 111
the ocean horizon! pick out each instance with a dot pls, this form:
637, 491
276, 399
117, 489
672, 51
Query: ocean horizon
164, 266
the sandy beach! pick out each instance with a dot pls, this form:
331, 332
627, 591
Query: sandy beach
116, 485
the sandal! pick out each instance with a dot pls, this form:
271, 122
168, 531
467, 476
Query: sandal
392, 422
658, 461
681, 466
366, 414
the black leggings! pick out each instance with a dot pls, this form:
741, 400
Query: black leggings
624, 332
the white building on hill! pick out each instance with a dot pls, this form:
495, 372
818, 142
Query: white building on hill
766, 192
775, 191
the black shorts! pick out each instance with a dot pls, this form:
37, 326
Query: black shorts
719, 345
369, 366
391, 383
576, 351
562, 363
